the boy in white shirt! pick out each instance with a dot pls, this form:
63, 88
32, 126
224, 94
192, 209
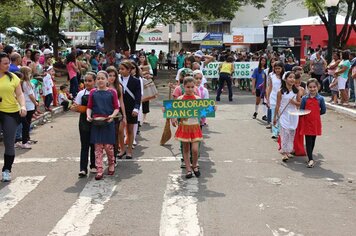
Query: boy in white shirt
47, 88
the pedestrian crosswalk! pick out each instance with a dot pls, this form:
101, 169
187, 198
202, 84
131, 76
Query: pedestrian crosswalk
14, 192
178, 213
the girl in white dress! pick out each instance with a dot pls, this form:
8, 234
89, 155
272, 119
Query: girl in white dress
288, 100
274, 85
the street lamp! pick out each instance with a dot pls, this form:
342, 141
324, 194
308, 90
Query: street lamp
265, 23
332, 7
169, 42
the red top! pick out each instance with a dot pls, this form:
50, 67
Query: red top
188, 97
310, 124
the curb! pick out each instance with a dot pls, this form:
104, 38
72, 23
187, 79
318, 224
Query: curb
343, 110
43, 118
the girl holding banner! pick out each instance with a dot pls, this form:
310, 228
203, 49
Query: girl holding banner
189, 132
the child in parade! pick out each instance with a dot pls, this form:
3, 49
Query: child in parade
48, 88
203, 92
63, 99
31, 104
85, 127
274, 85
311, 123
132, 99
258, 79
189, 132
136, 72
268, 111
147, 73
288, 98
299, 149
103, 103
114, 83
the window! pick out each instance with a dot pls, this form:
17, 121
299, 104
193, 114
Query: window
171, 28
184, 28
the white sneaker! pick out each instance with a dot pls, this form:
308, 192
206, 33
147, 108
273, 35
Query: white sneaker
26, 146
18, 145
93, 170
6, 176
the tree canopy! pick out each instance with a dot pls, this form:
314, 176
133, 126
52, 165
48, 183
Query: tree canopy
122, 20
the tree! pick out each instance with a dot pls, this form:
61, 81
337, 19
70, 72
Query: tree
122, 20
51, 13
343, 36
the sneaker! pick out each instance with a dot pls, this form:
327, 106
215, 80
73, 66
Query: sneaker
6, 177
264, 118
254, 115
18, 145
93, 170
26, 146
82, 174
310, 164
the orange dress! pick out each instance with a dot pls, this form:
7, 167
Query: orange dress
189, 128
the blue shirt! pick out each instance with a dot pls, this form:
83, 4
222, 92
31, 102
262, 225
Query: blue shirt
259, 77
13, 68
320, 100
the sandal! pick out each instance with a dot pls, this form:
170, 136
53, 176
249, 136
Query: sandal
311, 164
189, 175
196, 171
285, 158
99, 176
121, 156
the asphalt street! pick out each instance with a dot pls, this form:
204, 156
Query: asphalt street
244, 189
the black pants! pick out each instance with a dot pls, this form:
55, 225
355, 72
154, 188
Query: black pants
48, 100
26, 123
8, 125
65, 105
84, 151
310, 143
224, 77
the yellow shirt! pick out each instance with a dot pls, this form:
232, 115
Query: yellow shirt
9, 103
226, 67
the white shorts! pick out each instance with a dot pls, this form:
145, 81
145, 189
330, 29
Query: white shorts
341, 83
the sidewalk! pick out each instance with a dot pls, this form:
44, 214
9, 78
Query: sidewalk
349, 111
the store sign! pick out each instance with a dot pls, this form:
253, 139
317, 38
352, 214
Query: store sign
286, 42
189, 108
241, 69
198, 36
212, 40
238, 39
150, 38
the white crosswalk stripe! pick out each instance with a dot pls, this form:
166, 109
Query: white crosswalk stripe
91, 201
15, 191
179, 211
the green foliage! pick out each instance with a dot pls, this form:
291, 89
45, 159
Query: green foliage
130, 16
18, 16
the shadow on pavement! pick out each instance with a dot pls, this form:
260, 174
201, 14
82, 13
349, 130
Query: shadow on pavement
318, 172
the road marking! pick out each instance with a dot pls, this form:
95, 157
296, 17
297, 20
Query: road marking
15, 191
20, 159
91, 201
179, 214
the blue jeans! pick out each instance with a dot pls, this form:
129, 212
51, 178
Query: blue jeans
73, 87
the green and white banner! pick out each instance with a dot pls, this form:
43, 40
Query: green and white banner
241, 69
189, 108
